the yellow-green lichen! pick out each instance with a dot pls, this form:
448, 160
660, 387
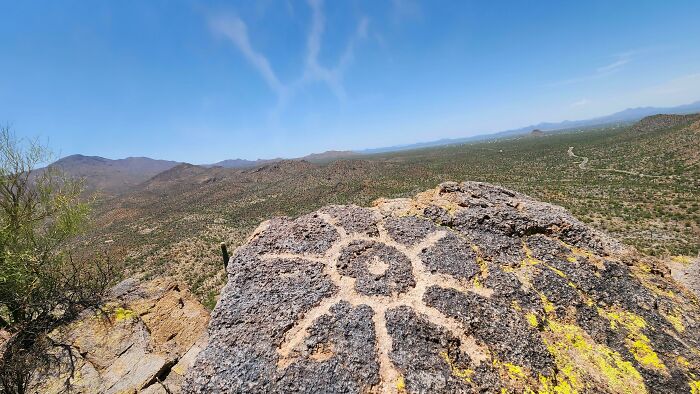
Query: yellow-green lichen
637, 343
529, 260
462, 373
124, 314
683, 362
650, 282
514, 370
619, 317
483, 265
676, 319
578, 252
514, 377
642, 352
694, 386
556, 271
546, 304
560, 387
544, 384
400, 384
583, 363
658, 290
483, 268
685, 260
532, 319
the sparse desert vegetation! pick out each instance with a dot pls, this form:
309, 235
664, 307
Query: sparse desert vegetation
323, 196
172, 224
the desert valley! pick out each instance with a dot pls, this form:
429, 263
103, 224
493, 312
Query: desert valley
391, 197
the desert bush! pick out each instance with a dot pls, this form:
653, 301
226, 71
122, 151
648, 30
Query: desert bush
42, 285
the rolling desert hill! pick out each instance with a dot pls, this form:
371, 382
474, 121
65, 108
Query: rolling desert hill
314, 157
242, 163
640, 187
109, 176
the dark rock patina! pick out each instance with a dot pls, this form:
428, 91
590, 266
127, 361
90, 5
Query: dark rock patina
465, 288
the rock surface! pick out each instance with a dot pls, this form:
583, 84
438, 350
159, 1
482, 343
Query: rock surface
686, 270
465, 288
144, 341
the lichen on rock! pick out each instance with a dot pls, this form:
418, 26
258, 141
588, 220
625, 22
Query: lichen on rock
143, 339
468, 287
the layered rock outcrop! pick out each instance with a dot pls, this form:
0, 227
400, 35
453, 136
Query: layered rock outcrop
465, 288
143, 340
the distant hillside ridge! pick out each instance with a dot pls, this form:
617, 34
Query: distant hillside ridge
313, 157
114, 177
242, 163
624, 117
109, 176
663, 121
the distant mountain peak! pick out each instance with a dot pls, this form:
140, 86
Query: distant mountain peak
111, 176
314, 157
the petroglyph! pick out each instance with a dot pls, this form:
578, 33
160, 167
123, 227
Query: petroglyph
467, 287
380, 303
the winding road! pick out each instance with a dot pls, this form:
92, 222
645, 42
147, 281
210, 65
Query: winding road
584, 162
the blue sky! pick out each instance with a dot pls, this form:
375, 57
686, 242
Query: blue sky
207, 81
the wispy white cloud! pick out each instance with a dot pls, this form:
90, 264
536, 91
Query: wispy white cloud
313, 70
234, 29
621, 59
579, 103
679, 90
612, 67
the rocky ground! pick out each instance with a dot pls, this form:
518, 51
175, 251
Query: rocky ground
143, 340
686, 270
465, 288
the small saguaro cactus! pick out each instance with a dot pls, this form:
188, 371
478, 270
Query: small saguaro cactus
224, 254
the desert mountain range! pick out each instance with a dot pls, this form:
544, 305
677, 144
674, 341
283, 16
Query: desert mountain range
113, 177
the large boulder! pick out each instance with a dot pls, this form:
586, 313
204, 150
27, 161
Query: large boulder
465, 288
